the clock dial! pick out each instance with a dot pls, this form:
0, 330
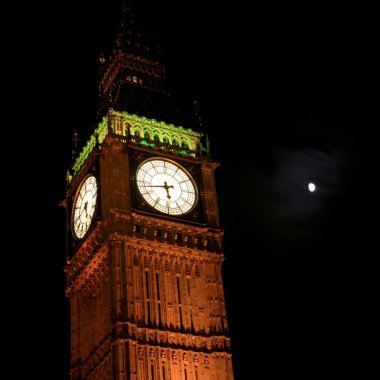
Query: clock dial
166, 186
84, 207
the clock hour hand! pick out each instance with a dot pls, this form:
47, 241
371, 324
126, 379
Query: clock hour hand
165, 186
81, 212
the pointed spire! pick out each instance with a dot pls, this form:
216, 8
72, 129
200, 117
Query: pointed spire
129, 37
197, 115
132, 77
74, 147
199, 126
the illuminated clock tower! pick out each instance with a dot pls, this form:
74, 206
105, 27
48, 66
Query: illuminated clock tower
144, 242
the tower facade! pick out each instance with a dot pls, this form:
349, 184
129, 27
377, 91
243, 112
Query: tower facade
144, 241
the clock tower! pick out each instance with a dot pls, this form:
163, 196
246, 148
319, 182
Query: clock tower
144, 241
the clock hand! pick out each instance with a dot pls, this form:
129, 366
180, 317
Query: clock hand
80, 214
165, 186
85, 207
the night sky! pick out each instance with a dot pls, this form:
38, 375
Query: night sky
287, 96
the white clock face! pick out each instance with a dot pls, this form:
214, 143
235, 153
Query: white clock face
166, 186
84, 207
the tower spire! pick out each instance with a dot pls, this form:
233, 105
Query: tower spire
132, 78
130, 38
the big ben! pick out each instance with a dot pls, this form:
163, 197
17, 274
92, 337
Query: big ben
144, 242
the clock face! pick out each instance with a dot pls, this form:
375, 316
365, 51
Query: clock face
166, 186
84, 206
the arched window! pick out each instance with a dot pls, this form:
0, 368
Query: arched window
165, 140
137, 132
197, 271
167, 267
146, 262
177, 269
175, 142
187, 269
146, 134
156, 264
156, 138
135, 261
127, 129
184, 144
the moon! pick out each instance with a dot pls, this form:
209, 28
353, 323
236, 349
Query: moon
311, 187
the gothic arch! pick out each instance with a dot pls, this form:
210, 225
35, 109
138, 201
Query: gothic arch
146, 262
177, 268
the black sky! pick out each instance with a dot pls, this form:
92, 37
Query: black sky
287, 96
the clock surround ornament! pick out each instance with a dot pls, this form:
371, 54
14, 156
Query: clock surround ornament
84, 206
166, 186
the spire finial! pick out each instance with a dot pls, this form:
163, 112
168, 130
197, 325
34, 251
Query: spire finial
129, 37
197, 115
75, 141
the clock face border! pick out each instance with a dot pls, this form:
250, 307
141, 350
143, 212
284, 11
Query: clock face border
74, 206
189, 177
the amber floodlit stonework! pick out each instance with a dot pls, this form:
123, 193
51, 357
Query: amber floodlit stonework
145, 284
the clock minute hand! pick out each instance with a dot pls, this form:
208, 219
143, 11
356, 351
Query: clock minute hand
165, 186
83, 210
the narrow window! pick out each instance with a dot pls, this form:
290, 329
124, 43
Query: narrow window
159, 316
158, 287
147, 284
197, 271
135, 261
148, 307
180, 318
178, 291
189, 300
188, 291
180, 306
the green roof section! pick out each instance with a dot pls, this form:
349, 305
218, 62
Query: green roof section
123, 123
140, 130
